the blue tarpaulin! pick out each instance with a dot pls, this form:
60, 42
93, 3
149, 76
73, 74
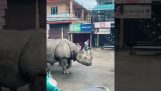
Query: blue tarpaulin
104, 7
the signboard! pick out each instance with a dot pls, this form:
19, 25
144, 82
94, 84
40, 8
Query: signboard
132, 1
133, 11
102, 31
102, 24
81, 27
86, 27
75, 28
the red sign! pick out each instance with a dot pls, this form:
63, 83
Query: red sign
102, 24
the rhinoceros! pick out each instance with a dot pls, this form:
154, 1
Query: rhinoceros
64, 51
23, 59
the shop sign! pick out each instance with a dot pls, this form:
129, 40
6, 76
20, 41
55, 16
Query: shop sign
133, 11
132, 1
75, 28
81, 27
102, 24
102, 31
86, 27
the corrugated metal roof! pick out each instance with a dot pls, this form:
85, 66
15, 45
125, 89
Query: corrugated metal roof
104, 7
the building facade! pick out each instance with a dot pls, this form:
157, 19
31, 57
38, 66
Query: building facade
103, 19
62, 15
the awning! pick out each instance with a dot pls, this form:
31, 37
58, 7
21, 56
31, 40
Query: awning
104, 7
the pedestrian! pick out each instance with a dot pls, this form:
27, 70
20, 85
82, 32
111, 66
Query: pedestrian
86, 45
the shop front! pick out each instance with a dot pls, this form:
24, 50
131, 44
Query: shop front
79, 33
103, 34
58, 30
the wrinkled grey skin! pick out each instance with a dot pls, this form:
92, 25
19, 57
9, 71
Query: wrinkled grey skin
59, 50
22, 59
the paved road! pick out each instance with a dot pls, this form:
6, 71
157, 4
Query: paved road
101, 73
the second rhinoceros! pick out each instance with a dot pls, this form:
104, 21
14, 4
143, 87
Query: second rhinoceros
64, 51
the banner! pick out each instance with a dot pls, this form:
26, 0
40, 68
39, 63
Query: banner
133, 11
103, 24
132, 1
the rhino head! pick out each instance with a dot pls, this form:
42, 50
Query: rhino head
84, 57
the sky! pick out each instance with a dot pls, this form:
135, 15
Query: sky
89, 4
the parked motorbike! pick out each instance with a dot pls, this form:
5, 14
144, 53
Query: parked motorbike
51, 83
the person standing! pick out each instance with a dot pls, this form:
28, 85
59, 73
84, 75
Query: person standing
86, 45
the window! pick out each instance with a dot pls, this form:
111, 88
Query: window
77, 15
54, 10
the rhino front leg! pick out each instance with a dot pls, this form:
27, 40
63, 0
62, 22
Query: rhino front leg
64, 65
69, 62
69, 65
39, 84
